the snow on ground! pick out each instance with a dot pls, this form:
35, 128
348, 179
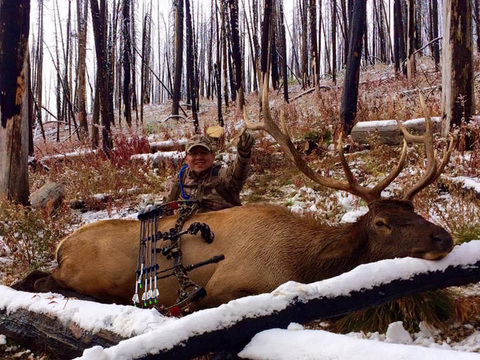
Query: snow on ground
152, 331
297, 343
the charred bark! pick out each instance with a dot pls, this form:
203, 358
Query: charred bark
127, 63
434, 31
352, 75
191, 84
313, 42
399, 38
100, 31
236, 52
411, 39
457, 71
283, 40
14, 104
82, 14
177, 82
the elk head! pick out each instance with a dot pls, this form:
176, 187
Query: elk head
388, 219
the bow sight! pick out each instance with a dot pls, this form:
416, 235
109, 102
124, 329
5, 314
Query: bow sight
148, 271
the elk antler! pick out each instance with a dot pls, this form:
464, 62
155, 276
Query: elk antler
283, 139
434, 167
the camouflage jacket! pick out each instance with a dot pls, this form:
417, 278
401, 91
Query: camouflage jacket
219, 188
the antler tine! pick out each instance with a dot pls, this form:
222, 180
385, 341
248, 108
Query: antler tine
283, 139
430, 178
370, 194
434, 169
377, 189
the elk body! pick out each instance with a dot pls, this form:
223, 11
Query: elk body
264, 246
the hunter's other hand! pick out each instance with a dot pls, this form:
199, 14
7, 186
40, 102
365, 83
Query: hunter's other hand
245, 144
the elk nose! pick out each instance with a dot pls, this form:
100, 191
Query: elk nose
443, 240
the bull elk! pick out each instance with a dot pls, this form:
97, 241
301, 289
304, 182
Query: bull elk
264, 245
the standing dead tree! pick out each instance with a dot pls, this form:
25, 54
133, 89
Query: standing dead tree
458, 101
14, 109
145, 63
191, 83
177, 82
411, 38
352, 75
39, 68
236, 52
127, 63
99, 20
82, 15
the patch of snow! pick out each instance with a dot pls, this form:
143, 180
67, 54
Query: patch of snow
397, 334
282, 344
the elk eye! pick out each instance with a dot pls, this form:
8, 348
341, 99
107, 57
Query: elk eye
380, 224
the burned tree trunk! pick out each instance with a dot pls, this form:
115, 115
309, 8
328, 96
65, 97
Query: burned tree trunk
39, 75
267, 11
334, 41
177, 82
145, 68
48, 334
457, 71
219, 95
313, 42
398, 38
100, 30
82, 14
304, 43
283, 41
14, 107
236, 52
411, 38
191, 84
434, 31
127, 63
352, 75
273, 49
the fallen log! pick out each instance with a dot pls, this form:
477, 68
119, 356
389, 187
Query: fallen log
168, 145
234, 338
388, 131
231, 326
45, 333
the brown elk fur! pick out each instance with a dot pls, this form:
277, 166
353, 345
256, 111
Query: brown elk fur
264, 246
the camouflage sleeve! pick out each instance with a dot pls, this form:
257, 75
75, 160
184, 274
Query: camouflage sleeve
233, 177
173, 188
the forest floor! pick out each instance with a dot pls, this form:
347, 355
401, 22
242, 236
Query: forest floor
98, 187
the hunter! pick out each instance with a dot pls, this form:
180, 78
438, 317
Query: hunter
202, 179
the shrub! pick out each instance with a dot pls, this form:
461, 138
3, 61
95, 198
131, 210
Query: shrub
432, 307
28, 236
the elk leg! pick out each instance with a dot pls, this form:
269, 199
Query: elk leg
28, 283
218, 293
49, 284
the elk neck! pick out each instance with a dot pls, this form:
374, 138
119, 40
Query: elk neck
328, 251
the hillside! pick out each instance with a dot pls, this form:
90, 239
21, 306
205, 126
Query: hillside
98, 187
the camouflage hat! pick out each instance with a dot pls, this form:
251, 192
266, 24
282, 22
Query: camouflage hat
199, 140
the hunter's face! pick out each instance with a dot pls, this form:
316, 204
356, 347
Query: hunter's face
199, 159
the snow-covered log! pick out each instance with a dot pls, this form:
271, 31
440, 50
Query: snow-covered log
168, 145
230, 326
388, 130
45, 333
